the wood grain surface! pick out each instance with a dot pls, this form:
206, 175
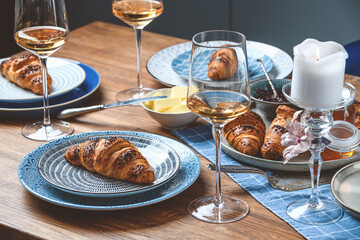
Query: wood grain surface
110, 49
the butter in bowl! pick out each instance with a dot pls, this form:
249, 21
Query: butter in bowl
171, 112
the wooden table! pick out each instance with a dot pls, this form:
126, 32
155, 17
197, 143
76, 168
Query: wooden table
110, 49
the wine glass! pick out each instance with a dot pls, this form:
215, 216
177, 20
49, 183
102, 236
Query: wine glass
218, 69
137, 14
41, 27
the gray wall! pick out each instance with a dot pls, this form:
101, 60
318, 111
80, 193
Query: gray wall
286, 23
282, 23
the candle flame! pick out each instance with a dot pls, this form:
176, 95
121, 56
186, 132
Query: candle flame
317, 53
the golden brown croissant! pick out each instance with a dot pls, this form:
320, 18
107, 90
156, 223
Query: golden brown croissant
114, 157
246, 133
272, 148
223, 64
25, 71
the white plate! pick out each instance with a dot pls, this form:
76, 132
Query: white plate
298, 164
159, 64
65, 74
346, 189
55, 169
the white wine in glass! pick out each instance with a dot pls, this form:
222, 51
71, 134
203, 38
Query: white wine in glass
137, 14
43, 40
41, 27
218, 69
208, 104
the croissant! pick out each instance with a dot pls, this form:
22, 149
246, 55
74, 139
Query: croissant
357, 114
25, 71
114, 157
272, 148
246, 133
223, 64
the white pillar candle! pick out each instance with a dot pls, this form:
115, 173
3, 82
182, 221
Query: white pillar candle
318, 73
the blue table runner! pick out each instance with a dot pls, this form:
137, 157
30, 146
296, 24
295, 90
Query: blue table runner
201, 140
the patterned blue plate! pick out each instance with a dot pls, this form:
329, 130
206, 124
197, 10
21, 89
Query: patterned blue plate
66, 76
159, 64
181, 64
72, 98
55, 169
31, 179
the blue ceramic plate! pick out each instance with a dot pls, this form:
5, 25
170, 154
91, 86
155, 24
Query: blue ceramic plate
54, 168
31, 179
159, 64
70, 99
181, 64
66, 75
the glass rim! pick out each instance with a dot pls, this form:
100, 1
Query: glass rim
343, 145
347, 98
343, 126
198, 44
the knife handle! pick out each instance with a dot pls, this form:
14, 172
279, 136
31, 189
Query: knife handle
242, 169
76, 111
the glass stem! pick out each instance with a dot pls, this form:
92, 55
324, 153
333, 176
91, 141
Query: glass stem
218, 131
138, 33
315, 164
43, 62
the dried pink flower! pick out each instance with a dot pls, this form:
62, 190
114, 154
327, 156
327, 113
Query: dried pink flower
296, 140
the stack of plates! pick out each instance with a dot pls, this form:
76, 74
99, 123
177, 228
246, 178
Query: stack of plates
46, 174
72, 83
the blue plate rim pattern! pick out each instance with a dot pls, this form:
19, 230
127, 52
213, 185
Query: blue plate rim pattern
64, 199
113, 194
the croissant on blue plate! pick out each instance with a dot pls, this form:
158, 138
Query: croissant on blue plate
25, 71
114, 157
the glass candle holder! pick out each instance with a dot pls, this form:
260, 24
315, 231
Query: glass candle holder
317, 209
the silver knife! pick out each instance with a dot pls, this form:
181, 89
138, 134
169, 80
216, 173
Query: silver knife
286, 181
75, 111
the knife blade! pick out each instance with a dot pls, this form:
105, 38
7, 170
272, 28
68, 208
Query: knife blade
76, 111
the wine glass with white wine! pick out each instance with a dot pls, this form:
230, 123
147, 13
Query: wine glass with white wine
41, 27
219, 72
137, 14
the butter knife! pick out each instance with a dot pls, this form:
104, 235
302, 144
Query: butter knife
76, 111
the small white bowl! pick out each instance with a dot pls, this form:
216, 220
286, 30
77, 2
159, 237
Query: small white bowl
170, 121
268, 109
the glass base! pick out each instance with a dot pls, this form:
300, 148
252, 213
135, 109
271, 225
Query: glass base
324, 213
133, 93
230, 210
37, 131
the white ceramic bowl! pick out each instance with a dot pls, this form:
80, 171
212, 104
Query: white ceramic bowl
170, 121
